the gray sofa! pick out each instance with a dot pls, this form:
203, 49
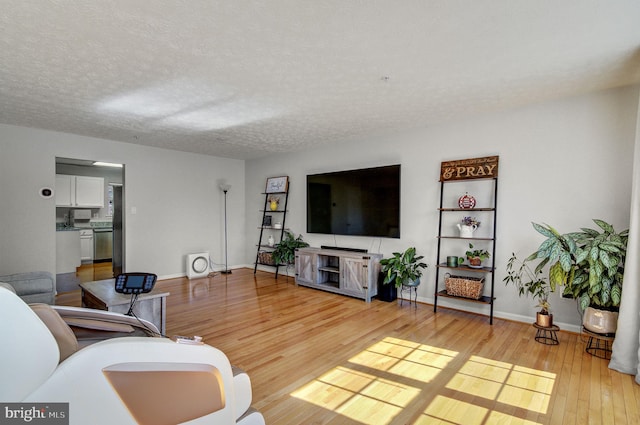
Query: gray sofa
33, 287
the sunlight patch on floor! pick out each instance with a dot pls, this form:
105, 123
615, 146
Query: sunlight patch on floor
506, 383
375, 385
378, 382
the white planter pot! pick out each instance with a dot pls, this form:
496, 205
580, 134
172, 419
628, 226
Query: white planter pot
600, 321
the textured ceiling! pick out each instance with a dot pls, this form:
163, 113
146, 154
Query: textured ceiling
245, 79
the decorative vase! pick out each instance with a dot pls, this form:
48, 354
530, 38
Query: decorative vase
273, 205
466, 231
544, 320
271, 241
600, 321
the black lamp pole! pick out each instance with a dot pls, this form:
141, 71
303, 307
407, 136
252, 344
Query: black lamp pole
225, 188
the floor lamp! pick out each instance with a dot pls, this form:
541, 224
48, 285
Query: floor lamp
225, 188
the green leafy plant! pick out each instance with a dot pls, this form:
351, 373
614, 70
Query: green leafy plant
589, 263
402, 267
529, 282
483, 254
284, 252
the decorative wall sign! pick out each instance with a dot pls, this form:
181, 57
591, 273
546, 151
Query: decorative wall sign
277, 184
474, 168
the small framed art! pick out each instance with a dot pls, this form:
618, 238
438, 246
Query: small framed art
277, 184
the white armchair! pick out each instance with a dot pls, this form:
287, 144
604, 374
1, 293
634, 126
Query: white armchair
122, 380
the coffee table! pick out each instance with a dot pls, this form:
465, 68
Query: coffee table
151, 306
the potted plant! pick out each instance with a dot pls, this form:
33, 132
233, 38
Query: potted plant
284, 252
590, 265
403, 268
530, 282
476, 256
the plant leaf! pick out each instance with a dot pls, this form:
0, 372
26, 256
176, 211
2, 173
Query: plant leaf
544, 246
593, 253
541, 265
557, 274
583, 301
556, 248
616, 295
548, 231
605, 259
604, 225
565, 261
581, 255
589, 232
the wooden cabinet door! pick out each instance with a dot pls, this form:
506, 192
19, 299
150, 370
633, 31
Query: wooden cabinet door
304, 267
354, 275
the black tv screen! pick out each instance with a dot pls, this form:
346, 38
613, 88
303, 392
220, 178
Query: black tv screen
364, 202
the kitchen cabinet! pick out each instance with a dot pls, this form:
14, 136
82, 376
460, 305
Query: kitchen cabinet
65, 190
79, 191
67, 251
89, 192
86, 245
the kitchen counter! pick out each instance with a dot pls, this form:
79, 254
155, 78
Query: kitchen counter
66, 229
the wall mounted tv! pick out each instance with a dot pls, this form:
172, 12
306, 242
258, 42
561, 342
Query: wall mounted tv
363, 202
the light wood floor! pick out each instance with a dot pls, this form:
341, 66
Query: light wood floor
320, 358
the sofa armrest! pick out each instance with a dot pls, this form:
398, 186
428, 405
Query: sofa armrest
33, 287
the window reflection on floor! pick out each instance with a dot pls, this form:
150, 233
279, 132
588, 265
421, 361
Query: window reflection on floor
85, 273
393, 373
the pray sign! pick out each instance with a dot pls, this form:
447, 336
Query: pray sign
465, 169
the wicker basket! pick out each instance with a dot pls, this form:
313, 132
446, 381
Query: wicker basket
266, 258
464, 286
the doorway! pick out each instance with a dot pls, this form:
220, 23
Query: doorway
102, 217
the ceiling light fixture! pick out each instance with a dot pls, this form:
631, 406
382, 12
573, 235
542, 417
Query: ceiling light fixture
107, 164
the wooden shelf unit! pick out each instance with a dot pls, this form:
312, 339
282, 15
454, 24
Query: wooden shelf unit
489, 242
265, 231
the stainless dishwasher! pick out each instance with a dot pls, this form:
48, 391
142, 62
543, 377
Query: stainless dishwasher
102, 244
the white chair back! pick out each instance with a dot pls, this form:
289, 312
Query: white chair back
28, 352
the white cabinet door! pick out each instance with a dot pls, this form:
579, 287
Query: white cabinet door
89, 192
65, 190
86, 248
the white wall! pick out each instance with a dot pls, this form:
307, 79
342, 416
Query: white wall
563, 163
180, 208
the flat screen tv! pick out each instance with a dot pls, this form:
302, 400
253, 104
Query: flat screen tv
364, 202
